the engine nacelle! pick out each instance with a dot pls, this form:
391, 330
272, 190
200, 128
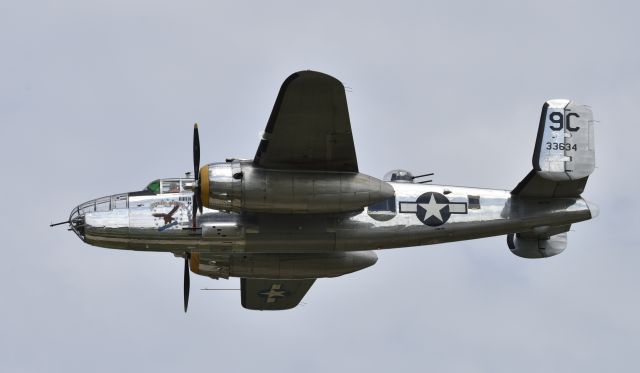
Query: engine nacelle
239, 187
283, 266
534, 248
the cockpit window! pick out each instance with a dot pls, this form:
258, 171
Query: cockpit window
154, 186
170, 186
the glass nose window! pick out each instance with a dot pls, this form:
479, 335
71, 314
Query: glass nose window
120, 201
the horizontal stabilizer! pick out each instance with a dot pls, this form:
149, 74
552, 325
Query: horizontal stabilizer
535, 186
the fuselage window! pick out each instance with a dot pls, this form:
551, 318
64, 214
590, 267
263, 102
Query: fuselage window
388, 205
383, 210
474, 202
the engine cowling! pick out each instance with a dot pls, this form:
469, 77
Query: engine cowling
239, 187
537, 247
283, 266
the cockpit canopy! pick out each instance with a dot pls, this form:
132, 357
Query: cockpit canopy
166, 186
154, 186
401, 176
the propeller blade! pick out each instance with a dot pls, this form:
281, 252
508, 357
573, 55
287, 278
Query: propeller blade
186, 281
196, 172
196, 152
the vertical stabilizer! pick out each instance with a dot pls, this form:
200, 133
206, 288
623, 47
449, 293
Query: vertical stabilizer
564, 155
565, 146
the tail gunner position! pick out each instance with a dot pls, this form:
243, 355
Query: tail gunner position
301, 210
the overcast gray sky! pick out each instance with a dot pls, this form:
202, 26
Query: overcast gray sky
99, 97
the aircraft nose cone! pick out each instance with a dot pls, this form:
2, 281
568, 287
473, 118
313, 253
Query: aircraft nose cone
593, 209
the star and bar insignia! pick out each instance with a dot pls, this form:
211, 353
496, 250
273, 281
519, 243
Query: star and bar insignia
433, 209
272, 295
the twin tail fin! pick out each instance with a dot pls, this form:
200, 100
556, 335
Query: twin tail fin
564, 154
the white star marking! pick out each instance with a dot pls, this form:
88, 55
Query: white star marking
433, 208
273, 293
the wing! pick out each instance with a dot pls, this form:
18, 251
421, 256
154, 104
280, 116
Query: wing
273, 294
309, 127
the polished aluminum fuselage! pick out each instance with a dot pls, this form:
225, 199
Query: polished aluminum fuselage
142, 222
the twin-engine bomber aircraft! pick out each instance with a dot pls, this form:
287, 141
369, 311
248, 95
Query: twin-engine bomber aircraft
301, 210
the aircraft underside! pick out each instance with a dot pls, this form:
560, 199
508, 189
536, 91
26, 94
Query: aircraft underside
302, 210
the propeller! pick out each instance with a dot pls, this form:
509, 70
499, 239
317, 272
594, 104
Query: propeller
197, 205
187, 281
